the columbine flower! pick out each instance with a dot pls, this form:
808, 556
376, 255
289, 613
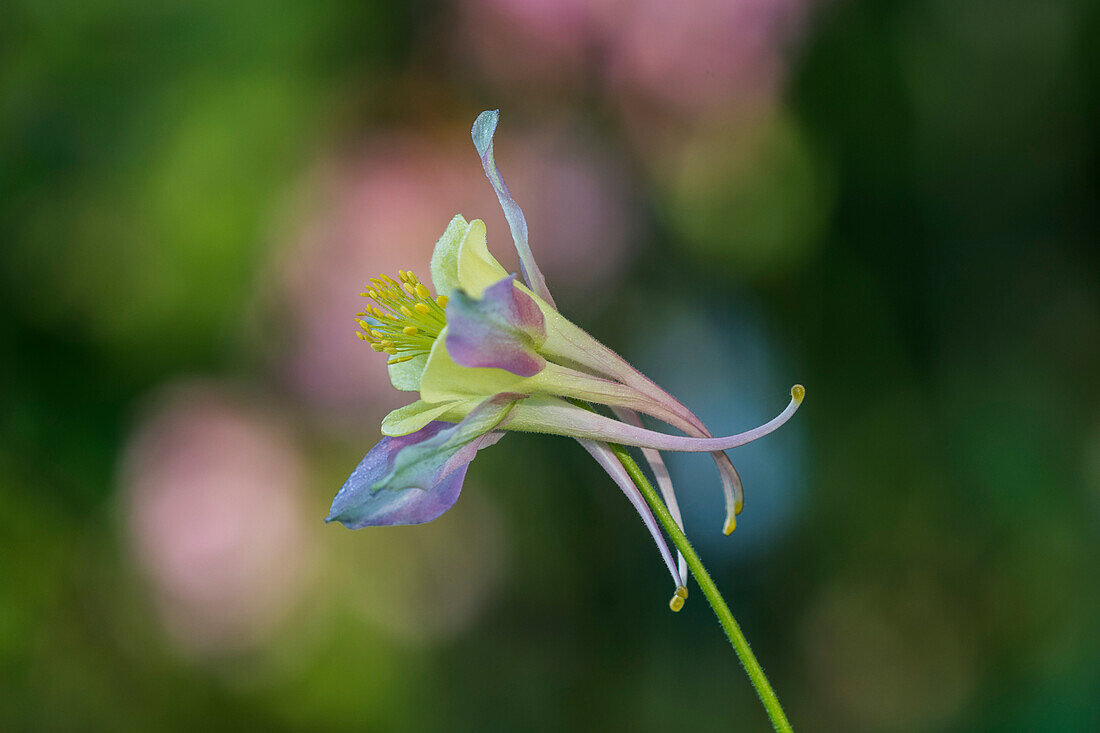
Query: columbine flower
488, 354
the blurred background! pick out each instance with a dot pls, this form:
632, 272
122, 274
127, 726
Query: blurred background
890, 202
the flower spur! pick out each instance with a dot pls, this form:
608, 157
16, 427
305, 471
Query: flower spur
490, 354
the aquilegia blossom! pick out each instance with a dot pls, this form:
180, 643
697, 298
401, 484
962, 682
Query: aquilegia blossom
490, 353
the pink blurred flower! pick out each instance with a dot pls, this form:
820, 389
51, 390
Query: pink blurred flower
385, 207
690, 56
698, 55
525, 41
215, 511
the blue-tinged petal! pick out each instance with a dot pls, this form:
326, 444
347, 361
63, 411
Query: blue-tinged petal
444, 264
415, 478
405, 375
502, 329
461, 259
415, 415
484, 128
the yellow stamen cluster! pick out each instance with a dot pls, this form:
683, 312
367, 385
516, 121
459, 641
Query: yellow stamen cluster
404, 318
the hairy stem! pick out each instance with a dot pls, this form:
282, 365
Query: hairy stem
710, 590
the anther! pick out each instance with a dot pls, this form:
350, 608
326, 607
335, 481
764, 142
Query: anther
410, 330
405, 310
423, 292
682, 591
797, 393
409, 288
442, 301
422, 309
677, 601
362, 336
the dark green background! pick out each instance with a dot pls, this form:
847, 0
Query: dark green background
911, 234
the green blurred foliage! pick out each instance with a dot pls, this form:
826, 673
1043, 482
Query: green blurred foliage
915, 213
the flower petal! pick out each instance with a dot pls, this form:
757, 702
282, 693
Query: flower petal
405, 375
444, 265
415, 415
415, 478
445, 381
477, 268
501, 329
462, 261
482, 132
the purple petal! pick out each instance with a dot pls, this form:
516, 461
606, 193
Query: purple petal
500, 330
415, 478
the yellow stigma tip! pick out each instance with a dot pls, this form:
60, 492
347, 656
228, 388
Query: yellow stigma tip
676, 603
731, 524
798, 392
682, 591
422, 309
442, 301
410, 330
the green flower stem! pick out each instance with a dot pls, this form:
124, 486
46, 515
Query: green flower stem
710, 590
